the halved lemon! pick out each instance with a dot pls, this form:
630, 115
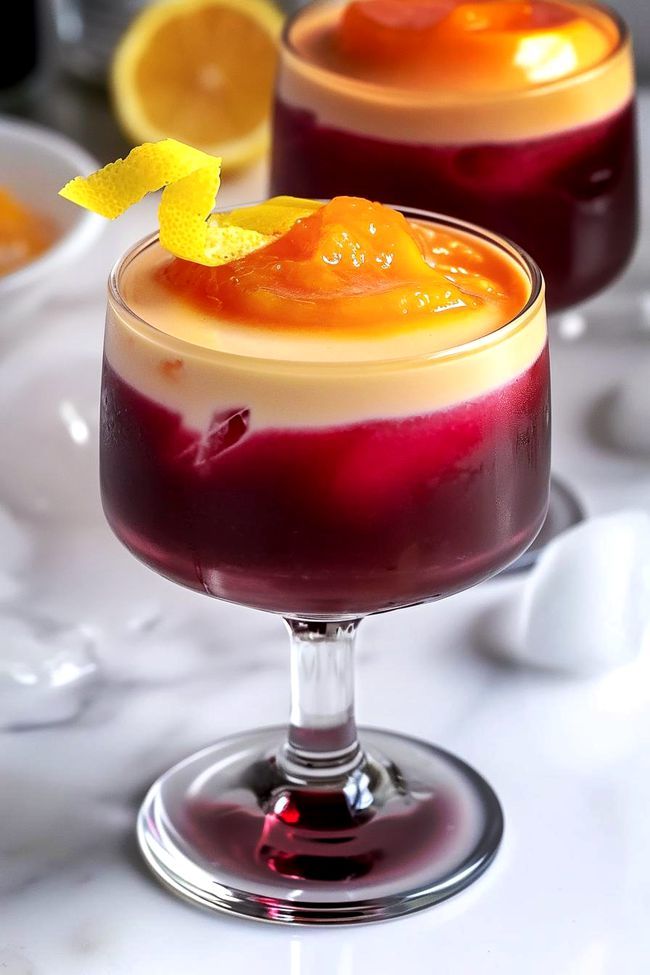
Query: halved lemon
202, 72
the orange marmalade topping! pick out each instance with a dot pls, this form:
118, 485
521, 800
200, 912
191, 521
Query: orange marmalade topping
355, 267
23, 234
478, 46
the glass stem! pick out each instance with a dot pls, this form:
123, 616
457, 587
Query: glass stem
322, 740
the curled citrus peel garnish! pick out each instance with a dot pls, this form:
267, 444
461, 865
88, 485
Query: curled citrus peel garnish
191, 180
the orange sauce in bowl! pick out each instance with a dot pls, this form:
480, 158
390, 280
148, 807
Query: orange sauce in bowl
24, 234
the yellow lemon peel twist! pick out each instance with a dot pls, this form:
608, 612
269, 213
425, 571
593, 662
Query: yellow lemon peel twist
191, 180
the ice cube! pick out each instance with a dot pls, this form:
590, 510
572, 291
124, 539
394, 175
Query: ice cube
585, 607
199, 451
629, 414
46, 670
50, 391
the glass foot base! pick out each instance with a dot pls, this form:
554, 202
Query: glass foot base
564, 511
230, 829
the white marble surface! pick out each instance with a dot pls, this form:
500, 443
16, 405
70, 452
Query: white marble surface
169, 671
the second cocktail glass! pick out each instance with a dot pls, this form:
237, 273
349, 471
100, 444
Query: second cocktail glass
520, 118
324, 491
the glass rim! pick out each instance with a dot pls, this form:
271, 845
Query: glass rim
474, 98
498, 334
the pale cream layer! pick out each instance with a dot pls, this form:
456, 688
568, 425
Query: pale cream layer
196, 364
437, 118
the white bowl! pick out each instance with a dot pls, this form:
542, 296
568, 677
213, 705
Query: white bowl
34, 164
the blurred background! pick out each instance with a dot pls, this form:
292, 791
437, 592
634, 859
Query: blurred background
54, 63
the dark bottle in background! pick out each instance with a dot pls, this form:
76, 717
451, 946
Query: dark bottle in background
22, 45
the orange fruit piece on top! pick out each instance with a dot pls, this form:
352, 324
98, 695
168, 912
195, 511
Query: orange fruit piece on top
391, 30
493, 45
23, 234
352, 264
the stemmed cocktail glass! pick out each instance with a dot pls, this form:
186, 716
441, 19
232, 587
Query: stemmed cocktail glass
324, 491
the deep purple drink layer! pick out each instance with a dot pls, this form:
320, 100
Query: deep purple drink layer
315, 837
569, 199
329, 522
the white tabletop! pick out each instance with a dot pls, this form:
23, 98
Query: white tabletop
570, 759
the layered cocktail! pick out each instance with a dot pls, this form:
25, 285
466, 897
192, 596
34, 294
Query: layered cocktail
322, 410
515, 115
351, 418
341, 423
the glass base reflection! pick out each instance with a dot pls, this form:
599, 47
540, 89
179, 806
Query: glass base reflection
235, 828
